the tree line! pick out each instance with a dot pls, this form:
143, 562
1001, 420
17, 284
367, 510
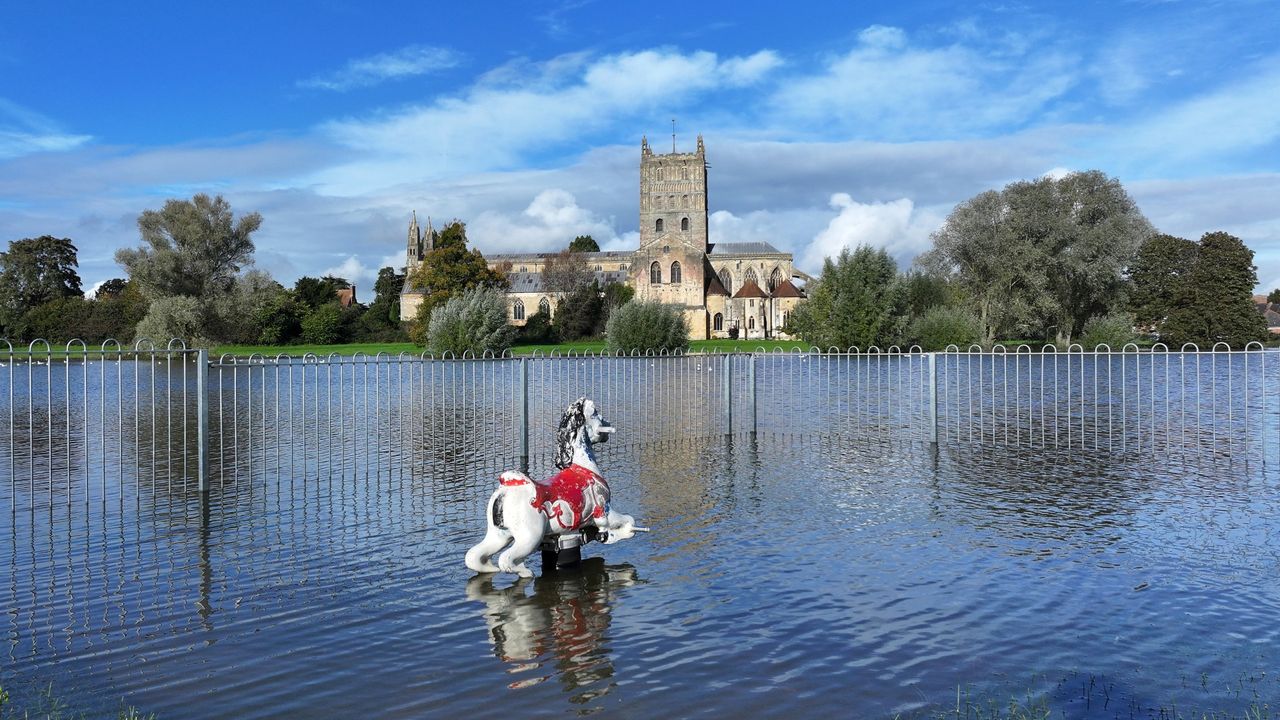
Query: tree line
1053, 260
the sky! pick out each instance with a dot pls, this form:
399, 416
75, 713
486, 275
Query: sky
827, 125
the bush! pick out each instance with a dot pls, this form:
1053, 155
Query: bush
941, 326
323, 325
641, 326
1114, 330
474, 321
537, 330
178, 316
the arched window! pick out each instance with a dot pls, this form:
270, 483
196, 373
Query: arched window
675, 273
751, 323
655, 272
517, 311
775, 279
684, 201
717, 322
657, 226
684, 224
726, 279
750, 277
544, 306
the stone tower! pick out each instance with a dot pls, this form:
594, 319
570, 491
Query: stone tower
669, 266
420, 243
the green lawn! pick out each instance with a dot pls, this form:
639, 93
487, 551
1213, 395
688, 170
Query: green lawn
393, 349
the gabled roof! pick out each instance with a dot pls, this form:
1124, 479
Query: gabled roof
785, 289
714, 286
750, 289
744, 248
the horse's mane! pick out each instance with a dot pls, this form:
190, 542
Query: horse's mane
570, 423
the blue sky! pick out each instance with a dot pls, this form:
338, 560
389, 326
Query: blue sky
826, 124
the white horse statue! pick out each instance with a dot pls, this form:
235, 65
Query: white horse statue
522, 512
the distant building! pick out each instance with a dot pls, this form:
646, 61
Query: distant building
1270, 311
720, 287
347, 296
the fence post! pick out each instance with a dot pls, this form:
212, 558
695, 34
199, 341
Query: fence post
933, 400
751, 383
728, 394
524, 415
202, 420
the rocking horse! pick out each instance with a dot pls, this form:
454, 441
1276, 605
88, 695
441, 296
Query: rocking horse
558, 514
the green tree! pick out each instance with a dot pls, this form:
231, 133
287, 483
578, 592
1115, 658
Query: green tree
584, 243
1114, 330
537, 330
193, 248
647, 326
34, 272
59, 320
322, 325
386, 304
1215, 304
473, 321
449, 269
179, 316
279, 319
940, 326
1162, 264
1274, 296
314, 292
1040, 257
858, 301
615, 296
578, 314
566, 273
117, 308
112, 288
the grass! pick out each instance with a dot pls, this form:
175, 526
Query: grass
49, 707
584, 346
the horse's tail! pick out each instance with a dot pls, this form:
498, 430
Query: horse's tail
512, 485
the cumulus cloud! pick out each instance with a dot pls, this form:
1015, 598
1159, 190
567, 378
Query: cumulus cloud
894, 226
405, 62
548, 224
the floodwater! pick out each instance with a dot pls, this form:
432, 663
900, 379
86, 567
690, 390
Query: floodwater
782, 577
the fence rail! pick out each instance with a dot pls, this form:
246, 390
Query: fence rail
114, 423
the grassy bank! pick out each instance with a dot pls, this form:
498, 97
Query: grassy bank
592, 346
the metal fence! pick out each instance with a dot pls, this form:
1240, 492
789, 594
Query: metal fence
123, 424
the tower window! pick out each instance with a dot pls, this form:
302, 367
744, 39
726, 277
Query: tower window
517, 311
655, 272
751, 323
675, 272
657, 225
544, 307
726, 279
717, 322
684, 224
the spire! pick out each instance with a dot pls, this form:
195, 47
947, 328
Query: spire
701, 150
430, 239
414, 252
644, 146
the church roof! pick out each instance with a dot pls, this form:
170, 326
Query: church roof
750, 289
714, 286
526, 282
744, 248
786, 289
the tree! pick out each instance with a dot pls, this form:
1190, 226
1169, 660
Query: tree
578, 314
858, 301
114, 287
180, 316
1161, 266
314, 292
1215, 304
940, 326
34, 272
116, 312
1114, 330
323, 325
192, 248
615, 296
234, 316
647, 326
449, 269
584, 243
537, 330
1041, 257
386, 304
566, 273
58, 320
1274, 296
473, 321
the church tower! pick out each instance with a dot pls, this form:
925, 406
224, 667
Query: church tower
671, 264
419, 244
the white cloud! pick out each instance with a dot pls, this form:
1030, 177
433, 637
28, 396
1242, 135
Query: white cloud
525, 110
548, 224
24, 131
894, 226
405, 62
886, 88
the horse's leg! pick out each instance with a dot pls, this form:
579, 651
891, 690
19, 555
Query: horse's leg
495, 538
526, 534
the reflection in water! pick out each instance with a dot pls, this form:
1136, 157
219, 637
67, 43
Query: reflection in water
564, 619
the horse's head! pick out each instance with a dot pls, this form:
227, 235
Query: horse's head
581, 422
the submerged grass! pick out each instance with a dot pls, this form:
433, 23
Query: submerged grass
50, 707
